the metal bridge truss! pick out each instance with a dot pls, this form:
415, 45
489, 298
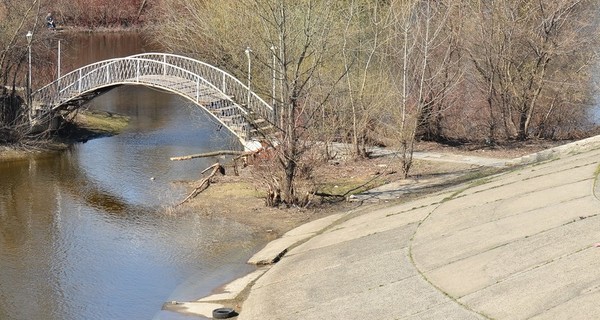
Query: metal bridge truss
230, 101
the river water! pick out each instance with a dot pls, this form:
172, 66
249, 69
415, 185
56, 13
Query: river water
88, 234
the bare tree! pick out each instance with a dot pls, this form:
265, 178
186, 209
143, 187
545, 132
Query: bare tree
297, 36
526, 53
364, 33
422, 56
18, 17
464, 70
490, 38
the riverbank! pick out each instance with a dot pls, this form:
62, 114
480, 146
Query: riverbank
84, 126
102, 29
248, 207
342, 174
485, 250
91, 124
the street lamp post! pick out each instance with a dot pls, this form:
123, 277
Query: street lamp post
248, 51
29, 37
275, 113
58, 68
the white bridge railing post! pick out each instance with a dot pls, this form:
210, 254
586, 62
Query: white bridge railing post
197, 89
79, 80
223, 86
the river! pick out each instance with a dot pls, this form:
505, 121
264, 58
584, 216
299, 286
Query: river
88, 233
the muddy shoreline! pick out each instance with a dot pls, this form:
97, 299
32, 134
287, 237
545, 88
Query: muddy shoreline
84, 125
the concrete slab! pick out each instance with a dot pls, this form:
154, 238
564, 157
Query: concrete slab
572, 164
576, 308
396, 300
274, 250
314, 226
469, 198
343, 254
446, 311
399, 189
326, 286
292, 292
477, 272
533, 292
569, 149
342, 234
231, 290
451, 216
408, 210
455, 245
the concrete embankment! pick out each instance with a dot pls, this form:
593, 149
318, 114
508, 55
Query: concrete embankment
523, 244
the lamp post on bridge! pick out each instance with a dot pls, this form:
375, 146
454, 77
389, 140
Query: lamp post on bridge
29, 37
248, 51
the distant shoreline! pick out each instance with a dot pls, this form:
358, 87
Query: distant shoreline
87, 125
101, 29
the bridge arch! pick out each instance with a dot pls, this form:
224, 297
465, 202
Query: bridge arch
223, 96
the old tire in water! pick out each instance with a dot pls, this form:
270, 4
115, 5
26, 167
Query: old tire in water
223, 313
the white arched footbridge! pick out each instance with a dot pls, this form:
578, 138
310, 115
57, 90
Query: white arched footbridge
238, 109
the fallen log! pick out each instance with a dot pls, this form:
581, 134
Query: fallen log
210, 154
217, 167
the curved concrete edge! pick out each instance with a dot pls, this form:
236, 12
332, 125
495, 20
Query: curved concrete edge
276, 249
204, 306
232, 290
203, 309
270, 254
360, 268
551, 153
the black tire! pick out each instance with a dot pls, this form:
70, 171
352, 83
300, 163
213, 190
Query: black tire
224, 313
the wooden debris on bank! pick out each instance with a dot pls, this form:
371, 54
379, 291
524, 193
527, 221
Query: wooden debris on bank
210, 154
244, 156
205, 183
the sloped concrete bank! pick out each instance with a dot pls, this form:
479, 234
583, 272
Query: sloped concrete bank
520, 244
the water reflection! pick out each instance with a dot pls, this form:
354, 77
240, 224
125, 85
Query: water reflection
84, 233
84, 49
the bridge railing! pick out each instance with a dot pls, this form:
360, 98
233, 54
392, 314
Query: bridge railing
208, 80
236, 90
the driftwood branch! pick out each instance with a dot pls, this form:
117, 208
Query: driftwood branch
210, 154
217, 167
205, 183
